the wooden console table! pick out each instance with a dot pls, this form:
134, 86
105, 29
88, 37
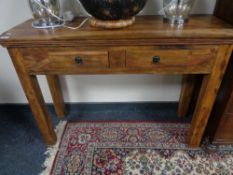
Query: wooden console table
150, 46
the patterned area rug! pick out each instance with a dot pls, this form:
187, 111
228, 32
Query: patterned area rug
135, 148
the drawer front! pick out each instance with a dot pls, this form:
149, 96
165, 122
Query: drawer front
159, 59
199, 60
64, 59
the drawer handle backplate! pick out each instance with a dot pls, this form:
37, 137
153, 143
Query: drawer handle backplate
156, 59
78, 60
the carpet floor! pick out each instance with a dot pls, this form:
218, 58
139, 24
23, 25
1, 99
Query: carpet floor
136, 148
22, 149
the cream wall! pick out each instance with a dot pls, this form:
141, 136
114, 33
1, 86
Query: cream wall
107, 88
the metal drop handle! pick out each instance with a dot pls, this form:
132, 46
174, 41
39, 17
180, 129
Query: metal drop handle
78, 60
156, 59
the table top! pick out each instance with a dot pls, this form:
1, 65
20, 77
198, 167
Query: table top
147, 30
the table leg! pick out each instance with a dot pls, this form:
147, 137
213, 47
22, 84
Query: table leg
33, 93
209, 89
55, 89
188, 84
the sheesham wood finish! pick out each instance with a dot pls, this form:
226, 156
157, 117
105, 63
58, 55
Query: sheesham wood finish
224, 11
150, 46
220, 126
55, 89
34, 96
186, 94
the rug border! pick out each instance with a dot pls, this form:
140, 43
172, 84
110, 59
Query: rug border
55, 158
105, 121
128, 121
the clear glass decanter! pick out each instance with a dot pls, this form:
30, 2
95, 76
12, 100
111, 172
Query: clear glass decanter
177, 11
45, 12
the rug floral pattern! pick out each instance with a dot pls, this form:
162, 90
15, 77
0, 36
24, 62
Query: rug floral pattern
136, 149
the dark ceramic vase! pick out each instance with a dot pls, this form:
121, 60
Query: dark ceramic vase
113, 10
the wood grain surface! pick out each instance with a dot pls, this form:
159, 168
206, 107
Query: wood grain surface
35, 98
210, 85
147, 30
56, 92
220, 126
186, 94
110, 60
150, 46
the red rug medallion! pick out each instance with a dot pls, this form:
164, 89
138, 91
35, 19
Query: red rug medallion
134, 148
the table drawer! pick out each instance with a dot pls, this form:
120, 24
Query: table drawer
172, 59
60, 59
